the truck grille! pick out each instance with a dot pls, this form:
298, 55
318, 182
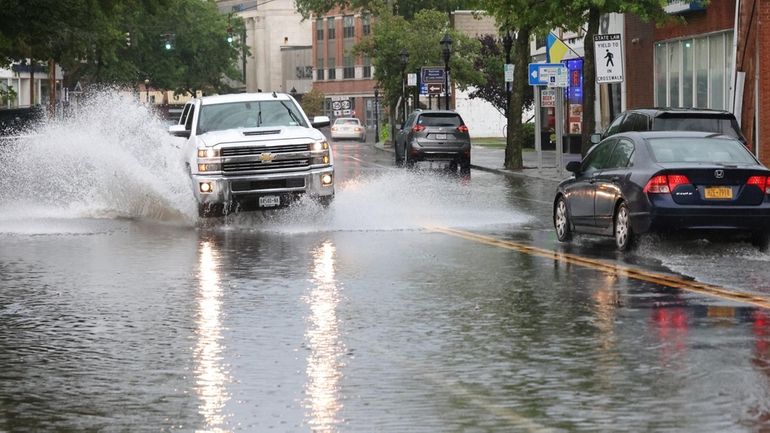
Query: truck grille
256, 150
259, 165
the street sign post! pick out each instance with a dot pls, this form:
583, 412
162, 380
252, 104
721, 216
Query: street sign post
608, 51
544, 74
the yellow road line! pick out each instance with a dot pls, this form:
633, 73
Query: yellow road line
615, 269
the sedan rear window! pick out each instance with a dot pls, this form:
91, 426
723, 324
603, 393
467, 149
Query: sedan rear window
703, 124
703, 149
346, 122
439, 120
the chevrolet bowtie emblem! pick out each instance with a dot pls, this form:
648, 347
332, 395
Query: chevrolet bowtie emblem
266, 157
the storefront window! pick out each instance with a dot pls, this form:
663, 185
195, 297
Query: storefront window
660, 75
674, 69
687, 75
716, 67
702, 72
694, 72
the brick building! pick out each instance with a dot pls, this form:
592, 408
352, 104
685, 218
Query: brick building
692, 64
345, 79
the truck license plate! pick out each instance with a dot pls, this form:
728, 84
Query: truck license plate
270, 201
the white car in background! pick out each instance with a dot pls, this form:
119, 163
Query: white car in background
348, 128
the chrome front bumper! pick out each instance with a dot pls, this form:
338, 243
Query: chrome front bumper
223, 192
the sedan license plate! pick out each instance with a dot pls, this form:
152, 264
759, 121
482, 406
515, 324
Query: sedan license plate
440, 136
718, 192
270, 201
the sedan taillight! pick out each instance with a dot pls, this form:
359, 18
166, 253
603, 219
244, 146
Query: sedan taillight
665, 183
762, 182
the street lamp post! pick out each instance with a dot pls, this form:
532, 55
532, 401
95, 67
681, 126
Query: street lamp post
376, 116
147, 90
446, 50
404, 57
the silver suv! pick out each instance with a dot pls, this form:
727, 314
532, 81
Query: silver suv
434, 135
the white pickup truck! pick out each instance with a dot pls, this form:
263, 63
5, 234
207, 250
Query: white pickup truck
254, 151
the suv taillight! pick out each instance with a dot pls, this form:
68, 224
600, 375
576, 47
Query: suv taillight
665, 183
462, 129
762, 182
418, 128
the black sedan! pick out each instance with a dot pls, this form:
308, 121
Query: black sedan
667, 182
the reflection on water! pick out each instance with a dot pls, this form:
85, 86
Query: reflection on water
326, 350
210, 372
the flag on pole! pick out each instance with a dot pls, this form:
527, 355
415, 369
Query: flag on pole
555, 49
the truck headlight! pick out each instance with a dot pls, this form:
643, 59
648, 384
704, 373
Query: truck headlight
326, 179
209, 167
320, 145
208, 153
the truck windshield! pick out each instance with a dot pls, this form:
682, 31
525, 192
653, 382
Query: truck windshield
234, 115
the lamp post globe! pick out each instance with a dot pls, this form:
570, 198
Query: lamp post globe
446, 50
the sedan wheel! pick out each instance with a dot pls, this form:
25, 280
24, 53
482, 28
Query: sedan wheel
624, 236
561, 221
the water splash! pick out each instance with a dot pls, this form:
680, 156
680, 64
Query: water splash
111, 158
391, 201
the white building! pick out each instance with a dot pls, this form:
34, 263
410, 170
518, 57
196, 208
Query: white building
270, 26
17, 77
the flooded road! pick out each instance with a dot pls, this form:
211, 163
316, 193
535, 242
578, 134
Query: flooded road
120, 311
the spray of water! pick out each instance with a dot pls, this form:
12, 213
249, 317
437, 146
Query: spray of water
111, 157
390, 201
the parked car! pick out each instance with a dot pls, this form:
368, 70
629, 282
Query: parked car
434, 135
674, 119
669, 182
348, 128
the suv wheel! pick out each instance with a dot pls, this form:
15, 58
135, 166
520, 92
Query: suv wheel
399, 156
408, 161
465, 166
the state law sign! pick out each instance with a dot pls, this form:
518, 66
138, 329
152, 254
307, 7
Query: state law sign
608, 53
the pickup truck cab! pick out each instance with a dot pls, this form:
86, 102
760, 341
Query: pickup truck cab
254, 151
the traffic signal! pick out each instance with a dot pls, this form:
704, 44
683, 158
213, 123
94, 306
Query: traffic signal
168, 40
230, 35
128, 39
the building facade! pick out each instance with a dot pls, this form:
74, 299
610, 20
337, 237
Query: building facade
711, 61
345, 78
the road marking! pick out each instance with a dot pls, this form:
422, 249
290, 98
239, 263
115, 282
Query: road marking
615, 269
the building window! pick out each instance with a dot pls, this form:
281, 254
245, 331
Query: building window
332, 31
349, 71
319, 29
319, 69
694, 72
367, 24
348, 31
332, 66
367, 67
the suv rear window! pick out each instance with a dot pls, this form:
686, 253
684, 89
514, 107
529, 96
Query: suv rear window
439, 119
706, 150
704, 124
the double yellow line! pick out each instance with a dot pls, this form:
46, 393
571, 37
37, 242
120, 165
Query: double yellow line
614, 269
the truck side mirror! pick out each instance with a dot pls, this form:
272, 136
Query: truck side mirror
320, 121
179, 131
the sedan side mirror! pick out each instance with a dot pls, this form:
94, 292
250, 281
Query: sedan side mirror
573, 167
179, 131
596, 138
321, 121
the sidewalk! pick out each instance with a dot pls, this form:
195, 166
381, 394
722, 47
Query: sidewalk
493, 159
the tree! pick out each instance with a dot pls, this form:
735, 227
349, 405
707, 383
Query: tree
492, 88
421, 38
578, 13
526, 18
313, 103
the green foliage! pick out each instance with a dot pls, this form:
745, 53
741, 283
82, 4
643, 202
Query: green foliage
313, 103
7, 94
421, 38
121, 41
